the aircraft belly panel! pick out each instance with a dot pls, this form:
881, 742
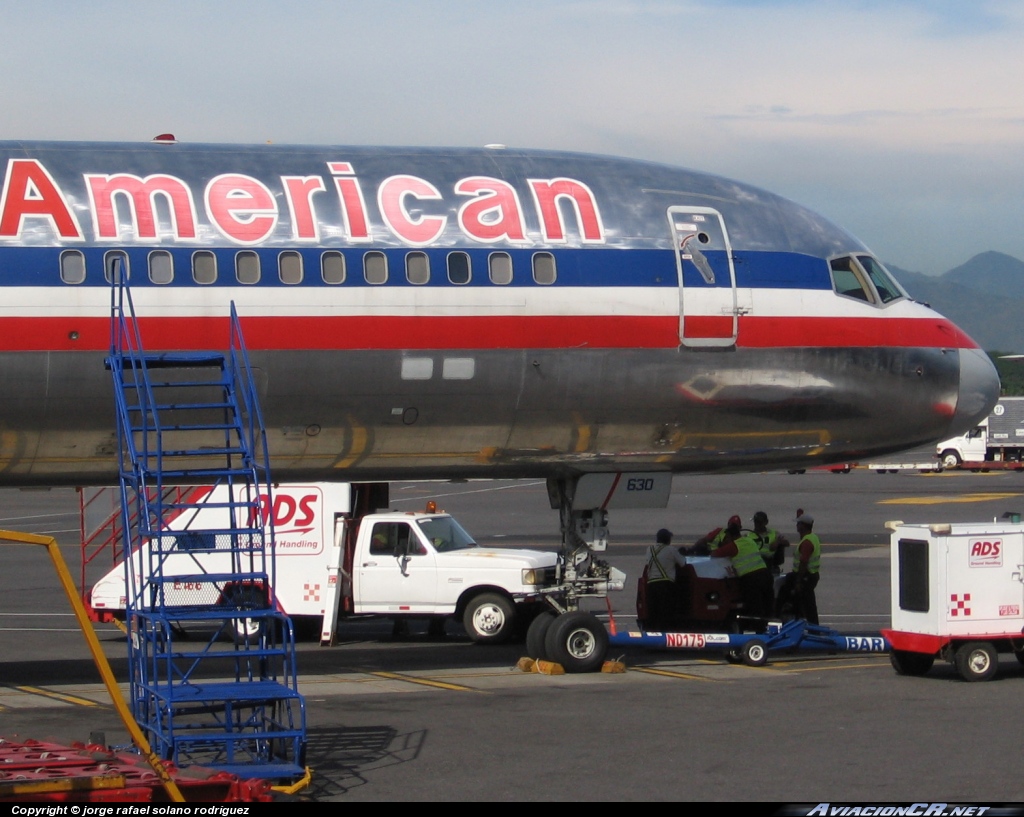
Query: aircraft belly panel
510, 413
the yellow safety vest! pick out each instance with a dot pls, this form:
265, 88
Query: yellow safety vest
748, 556
814, 563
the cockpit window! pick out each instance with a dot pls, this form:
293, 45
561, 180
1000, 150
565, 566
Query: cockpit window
863, 278
888, 290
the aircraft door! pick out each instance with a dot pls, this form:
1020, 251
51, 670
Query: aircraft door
707, 281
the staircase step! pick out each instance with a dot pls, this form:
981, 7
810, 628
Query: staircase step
182, 406
175, 360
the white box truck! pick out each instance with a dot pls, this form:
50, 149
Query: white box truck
997, 442
957, 594
333, 560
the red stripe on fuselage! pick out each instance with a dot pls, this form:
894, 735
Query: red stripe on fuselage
475, 332
934, 332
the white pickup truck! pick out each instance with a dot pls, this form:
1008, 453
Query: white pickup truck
331, 565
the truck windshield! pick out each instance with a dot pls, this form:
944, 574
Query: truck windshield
445, 534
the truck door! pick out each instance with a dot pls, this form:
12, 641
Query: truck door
707, 281
397, 572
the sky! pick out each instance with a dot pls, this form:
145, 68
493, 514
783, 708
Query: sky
900, 120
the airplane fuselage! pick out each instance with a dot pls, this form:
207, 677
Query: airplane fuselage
421, 313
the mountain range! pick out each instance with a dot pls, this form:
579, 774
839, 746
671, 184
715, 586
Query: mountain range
984, 297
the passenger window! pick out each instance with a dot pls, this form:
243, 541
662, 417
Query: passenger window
161, 267
375, 268
417, 268
849, 281
332, 267
459, 271
247, 267
72, 267
543, 268
117, 258
204, 267
289, 267
499, 266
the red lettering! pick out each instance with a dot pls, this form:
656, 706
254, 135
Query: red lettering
419, 230
309, 514
141, 196
547, 193
241, 207
264, 510
31, 192
985, 548
284, 509
299, 191
353, 205
494, 214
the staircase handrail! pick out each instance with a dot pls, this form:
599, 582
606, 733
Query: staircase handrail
126, 341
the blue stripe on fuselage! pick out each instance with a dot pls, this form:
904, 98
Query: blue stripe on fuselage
587, 267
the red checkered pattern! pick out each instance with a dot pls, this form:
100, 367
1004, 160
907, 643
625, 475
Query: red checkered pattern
958, 605
310, 592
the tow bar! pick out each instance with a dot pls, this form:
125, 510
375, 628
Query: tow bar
753, 648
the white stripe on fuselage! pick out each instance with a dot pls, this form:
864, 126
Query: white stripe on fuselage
320, 301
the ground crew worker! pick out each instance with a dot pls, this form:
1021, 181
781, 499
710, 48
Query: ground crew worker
719, 536
772, 546
662, 561
800, 584
756, 586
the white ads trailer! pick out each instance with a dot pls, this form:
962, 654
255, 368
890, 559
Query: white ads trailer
957, 594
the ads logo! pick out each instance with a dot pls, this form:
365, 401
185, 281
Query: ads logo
985, 552
289, 510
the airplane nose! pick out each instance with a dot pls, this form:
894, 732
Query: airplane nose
978, 392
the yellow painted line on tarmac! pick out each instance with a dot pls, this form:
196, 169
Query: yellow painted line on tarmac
57, 696
669, 674
837, 666
394, 676
942, 500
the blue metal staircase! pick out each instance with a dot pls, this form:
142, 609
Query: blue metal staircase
212, 661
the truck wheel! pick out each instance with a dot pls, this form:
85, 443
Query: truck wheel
910, 663
950, 459
976, 661
754, 653
246, 598
577, 641
488, 618
536, 634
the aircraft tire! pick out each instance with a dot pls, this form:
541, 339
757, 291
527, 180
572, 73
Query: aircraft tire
536, 634
489, 618
577, 641
976, 661
910, 663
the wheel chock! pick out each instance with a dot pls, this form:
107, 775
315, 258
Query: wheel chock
613, 667
540, 666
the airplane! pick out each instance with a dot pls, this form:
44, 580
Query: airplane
429, 313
